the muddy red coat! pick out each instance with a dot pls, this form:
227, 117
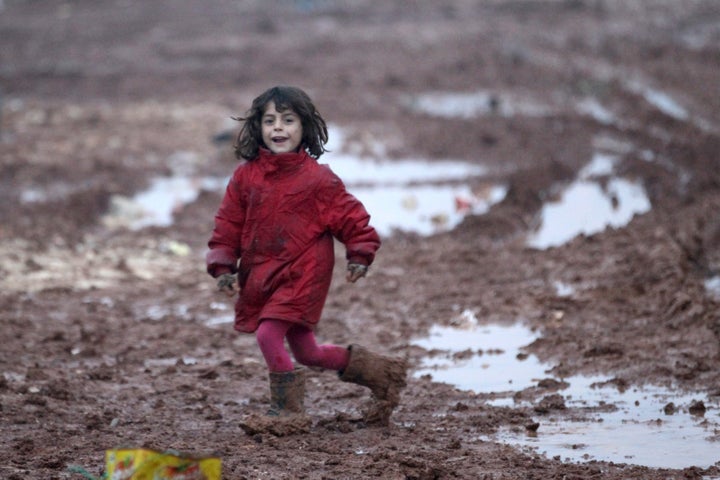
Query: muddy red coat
278, 217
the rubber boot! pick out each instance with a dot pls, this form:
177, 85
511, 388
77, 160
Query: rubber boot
286, 415
287, 393
384, 376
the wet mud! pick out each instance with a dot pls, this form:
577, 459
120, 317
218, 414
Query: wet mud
114, 336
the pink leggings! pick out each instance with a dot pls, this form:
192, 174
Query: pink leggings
270, 337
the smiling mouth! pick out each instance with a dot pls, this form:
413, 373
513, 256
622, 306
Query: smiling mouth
278, 139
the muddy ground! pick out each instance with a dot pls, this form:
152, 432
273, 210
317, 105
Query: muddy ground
105, 336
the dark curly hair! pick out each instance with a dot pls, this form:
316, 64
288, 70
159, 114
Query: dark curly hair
314, 129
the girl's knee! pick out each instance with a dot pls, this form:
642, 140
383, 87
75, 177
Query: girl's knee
309, 359
270, 334
270, 338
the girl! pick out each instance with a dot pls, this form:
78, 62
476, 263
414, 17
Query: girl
273, 244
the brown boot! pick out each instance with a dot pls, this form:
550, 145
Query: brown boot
286, 415
384, 376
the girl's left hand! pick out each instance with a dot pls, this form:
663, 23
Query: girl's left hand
355, 272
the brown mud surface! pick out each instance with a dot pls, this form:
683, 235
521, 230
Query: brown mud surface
105, 337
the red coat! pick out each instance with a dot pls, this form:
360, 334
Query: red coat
279, 216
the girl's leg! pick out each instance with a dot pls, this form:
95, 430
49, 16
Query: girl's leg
306, 350
270, 337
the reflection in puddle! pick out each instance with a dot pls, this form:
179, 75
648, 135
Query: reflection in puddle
651, 426
423, 209
587, 207
482, 358
410, 195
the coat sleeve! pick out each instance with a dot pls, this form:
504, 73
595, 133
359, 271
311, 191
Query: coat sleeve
347, 220
224, 244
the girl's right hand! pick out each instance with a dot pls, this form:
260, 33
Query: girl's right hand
228, 284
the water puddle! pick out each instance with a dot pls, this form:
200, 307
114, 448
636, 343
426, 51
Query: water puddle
651, 426
666, 104
222, 315
169, 362
46, 193
156, 205
712, 286
481, 358
593, 109
589, 206
158, 313
423, 209
410, 195
475, 104
563, 289
660, 100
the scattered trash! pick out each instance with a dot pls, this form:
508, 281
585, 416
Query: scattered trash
178, 249
144, 464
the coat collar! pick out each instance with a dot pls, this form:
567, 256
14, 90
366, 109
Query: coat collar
281, 162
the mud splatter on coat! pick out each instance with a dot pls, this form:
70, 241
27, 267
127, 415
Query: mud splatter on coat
278, 218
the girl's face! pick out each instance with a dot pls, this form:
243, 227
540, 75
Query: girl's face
281, 131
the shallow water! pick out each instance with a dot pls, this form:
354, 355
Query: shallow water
412, 195
712, 285
489, 362
484, 359
594, 109
156, 205
422, 209
588, 206
660, 100
474, 104
638, 432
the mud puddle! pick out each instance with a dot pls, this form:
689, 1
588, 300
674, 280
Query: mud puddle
411, 195
595, 200
660, 100
423, 209
156, 205
590, 204
668, 105
221, 315
481, 358
651, 426
474, 104
712, 285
